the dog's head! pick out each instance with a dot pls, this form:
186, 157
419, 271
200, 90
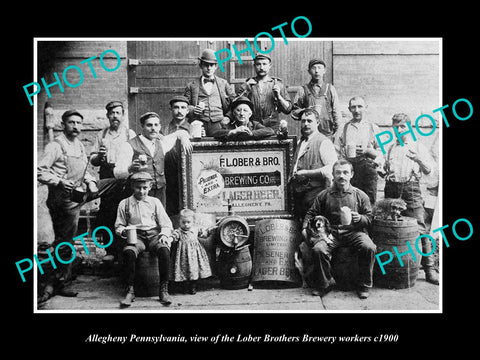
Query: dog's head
320, 225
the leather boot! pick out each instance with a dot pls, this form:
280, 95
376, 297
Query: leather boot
129, 298
428, 263
164, 296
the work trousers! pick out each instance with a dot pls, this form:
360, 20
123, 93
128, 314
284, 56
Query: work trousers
365, 177
322, 255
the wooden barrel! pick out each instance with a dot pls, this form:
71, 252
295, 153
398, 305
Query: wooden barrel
387, 234
234, 267
233, 231
276, 241
147, 279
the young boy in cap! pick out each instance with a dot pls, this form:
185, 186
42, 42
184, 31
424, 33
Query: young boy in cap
242, 128
209, 96
267, 93
320, 95
153, 228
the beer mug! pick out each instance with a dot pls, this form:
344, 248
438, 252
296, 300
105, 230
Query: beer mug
196, 129
131, 234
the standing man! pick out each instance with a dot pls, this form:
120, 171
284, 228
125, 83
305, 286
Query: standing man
321, 95
267, 93
63, 168
179, 108
146, 152
404, 166
209, 96
104, 155
331, 204
357, 144
315, 157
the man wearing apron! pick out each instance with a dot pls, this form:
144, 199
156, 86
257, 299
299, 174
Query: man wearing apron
404, 166
319, 95
63, 168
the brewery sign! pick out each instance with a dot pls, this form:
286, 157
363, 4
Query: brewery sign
251, 176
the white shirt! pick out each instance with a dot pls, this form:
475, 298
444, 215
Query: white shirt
125, 152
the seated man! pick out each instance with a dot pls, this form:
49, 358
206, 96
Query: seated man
346, 230
242, 128
153, 228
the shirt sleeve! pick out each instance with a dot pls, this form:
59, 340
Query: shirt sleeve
45, 173
121, 220
365, 211
336, 114
124, 160
298, 105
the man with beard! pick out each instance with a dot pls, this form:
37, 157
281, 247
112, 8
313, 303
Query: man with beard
267, 94
312, 171
346, 230
209, 96
104, 155
242, 128
357, 143
320, 95
146, 152
63, 168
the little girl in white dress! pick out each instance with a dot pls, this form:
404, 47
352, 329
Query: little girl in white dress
189, 258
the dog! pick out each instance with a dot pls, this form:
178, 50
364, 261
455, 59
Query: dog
318, 229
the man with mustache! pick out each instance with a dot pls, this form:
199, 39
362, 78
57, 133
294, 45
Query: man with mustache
357, 143
146, 152
330, 203
210, 96
63, 168
267, 94
104, 155
242, 128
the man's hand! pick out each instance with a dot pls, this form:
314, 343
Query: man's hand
66, 185
165, 240
137, 166
356, 217
92, 187
186, 143
276, 90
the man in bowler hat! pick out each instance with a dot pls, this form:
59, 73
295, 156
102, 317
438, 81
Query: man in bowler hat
209, 96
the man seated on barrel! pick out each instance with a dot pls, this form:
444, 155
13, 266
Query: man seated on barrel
242, 128
153, 228
348, 230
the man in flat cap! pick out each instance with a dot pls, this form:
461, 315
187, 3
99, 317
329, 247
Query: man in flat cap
322, 96
209, 96
63, 168
146, 152
152, 229
241, 127
179, 108
267, 94
104, 155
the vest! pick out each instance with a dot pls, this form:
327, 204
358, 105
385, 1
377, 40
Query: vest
324, 99
213, 109
155, 164
311, 159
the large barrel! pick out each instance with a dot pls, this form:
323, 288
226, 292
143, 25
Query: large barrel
147, 279
234, 267
387, 234
276, 241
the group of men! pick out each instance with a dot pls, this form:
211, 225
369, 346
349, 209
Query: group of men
321, 182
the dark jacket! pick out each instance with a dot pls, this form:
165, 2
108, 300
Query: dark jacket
226, 91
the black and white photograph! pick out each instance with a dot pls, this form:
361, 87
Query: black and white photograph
280, 186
